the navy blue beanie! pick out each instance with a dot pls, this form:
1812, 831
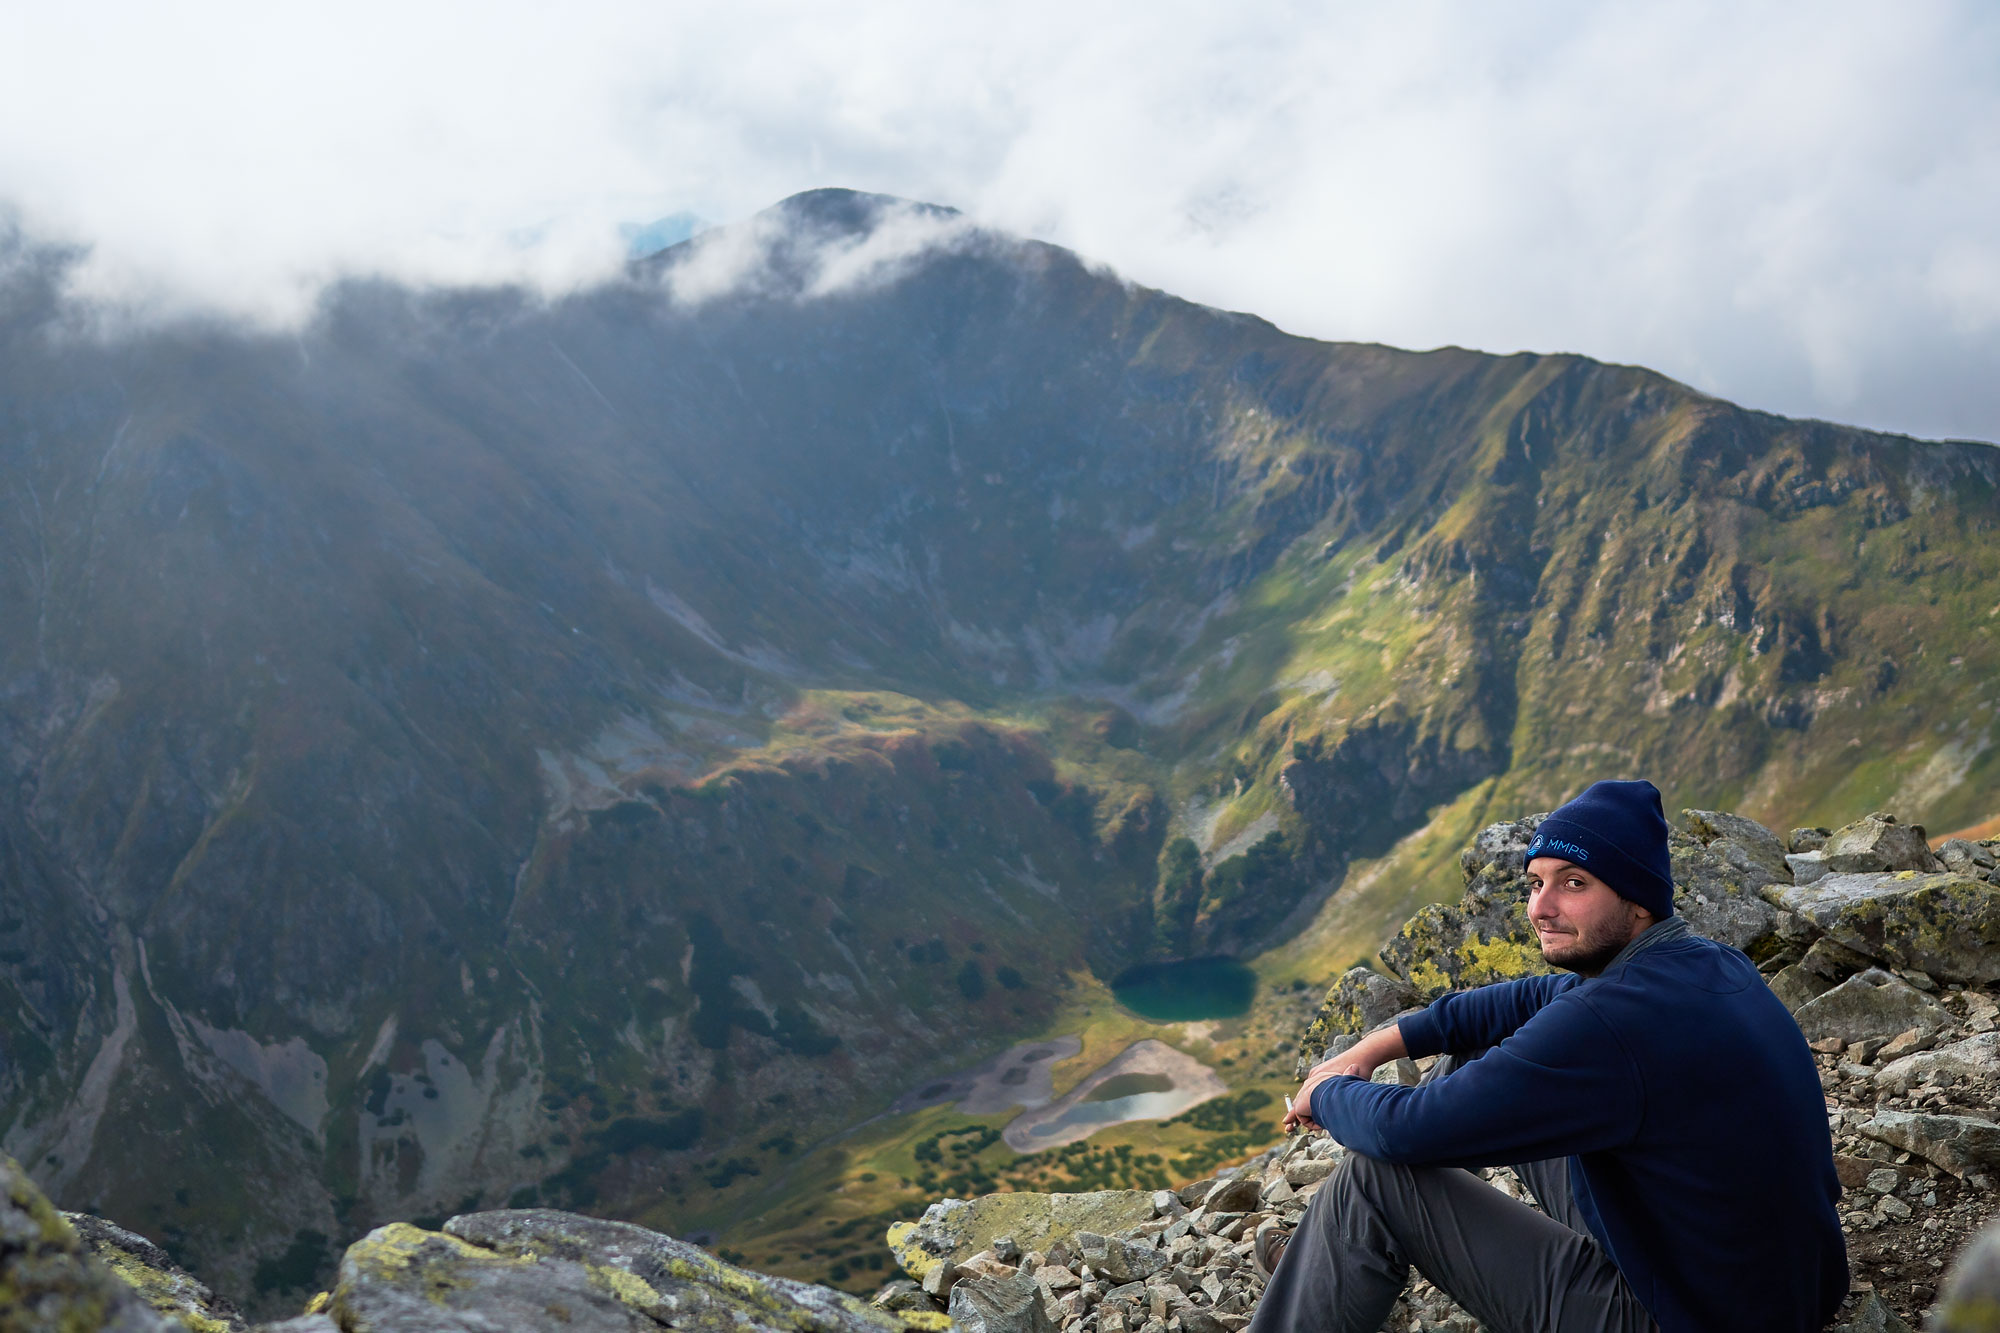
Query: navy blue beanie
1616, 831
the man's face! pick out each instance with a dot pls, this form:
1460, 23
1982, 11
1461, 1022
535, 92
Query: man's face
1581, 920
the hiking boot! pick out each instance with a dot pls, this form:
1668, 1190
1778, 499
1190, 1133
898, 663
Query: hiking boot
1269, 1245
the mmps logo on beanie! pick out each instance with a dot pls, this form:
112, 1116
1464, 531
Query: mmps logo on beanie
1557, 847
1618, 831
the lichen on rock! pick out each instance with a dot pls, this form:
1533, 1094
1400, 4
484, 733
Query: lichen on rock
1942, 924
167, 1287
955, 1229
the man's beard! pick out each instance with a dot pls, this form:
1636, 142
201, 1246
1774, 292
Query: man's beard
1587, 954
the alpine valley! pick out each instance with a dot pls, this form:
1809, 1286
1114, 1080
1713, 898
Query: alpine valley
604, 751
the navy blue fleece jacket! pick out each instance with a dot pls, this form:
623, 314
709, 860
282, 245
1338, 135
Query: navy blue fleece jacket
1686, 1101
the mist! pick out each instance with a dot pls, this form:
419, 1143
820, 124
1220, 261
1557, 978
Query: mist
1788, 207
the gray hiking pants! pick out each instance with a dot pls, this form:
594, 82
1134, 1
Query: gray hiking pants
1512, 1268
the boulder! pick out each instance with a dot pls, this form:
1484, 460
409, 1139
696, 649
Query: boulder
999, 1305
1877, 843
1121, 1261
1961, 1144
49, 1280
1974, 1057
1720, 862
957, 1229
1754, 852
1482, 940
1942, 924
167, 1287
1969, 858
1798, 986
401, 1279
1970, 1300
1360, 1001
1807, 839
1873, 1004
534, 1269
1240, 1195
1806, 867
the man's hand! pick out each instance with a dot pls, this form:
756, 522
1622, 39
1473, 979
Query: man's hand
1359, 1060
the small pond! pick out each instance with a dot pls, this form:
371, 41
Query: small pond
1148, 1080
1189, 991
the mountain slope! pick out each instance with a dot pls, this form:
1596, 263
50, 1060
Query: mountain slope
479, 744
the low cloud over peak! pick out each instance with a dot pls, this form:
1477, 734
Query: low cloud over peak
1787, 207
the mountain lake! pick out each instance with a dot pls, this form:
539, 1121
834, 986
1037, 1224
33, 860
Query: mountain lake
1187, 991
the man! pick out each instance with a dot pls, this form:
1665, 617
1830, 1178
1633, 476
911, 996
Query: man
1659, 1101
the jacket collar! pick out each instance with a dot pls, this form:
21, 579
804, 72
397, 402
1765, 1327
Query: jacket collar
1660, 932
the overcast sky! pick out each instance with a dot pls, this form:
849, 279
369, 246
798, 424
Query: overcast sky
1794, 206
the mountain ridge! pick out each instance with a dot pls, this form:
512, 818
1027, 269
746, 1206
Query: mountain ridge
386, 707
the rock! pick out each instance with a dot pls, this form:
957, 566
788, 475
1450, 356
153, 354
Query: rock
1007, 1250
1363, 999
1119, 1260
1876, 843
900, 1293
167, 1288
1942, 924
535, 1269
1970, 1302
1807, 839
1834, 961
1798, 986
956, 1229
999, 1305
1195, 1191
1747, 846
305, 1323
1720, 863
1309, 1171
1967, 858
1873, 1004
1240, 1195
1867, 1313
50, 1280
1444, 949
1974, 1057
1806, 867
1960, 1144
1906, 1043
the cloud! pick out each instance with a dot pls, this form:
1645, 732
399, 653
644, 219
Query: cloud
1787, 205
788, 253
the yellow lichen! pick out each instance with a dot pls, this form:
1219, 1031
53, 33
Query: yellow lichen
318, 1304
915, 1259
925, 1321
628, 1287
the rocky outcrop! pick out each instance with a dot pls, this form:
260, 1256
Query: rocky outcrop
952, 1230
49, 1280
537, 1269
164, 1285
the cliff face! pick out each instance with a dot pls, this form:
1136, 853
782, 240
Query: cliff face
482, 748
